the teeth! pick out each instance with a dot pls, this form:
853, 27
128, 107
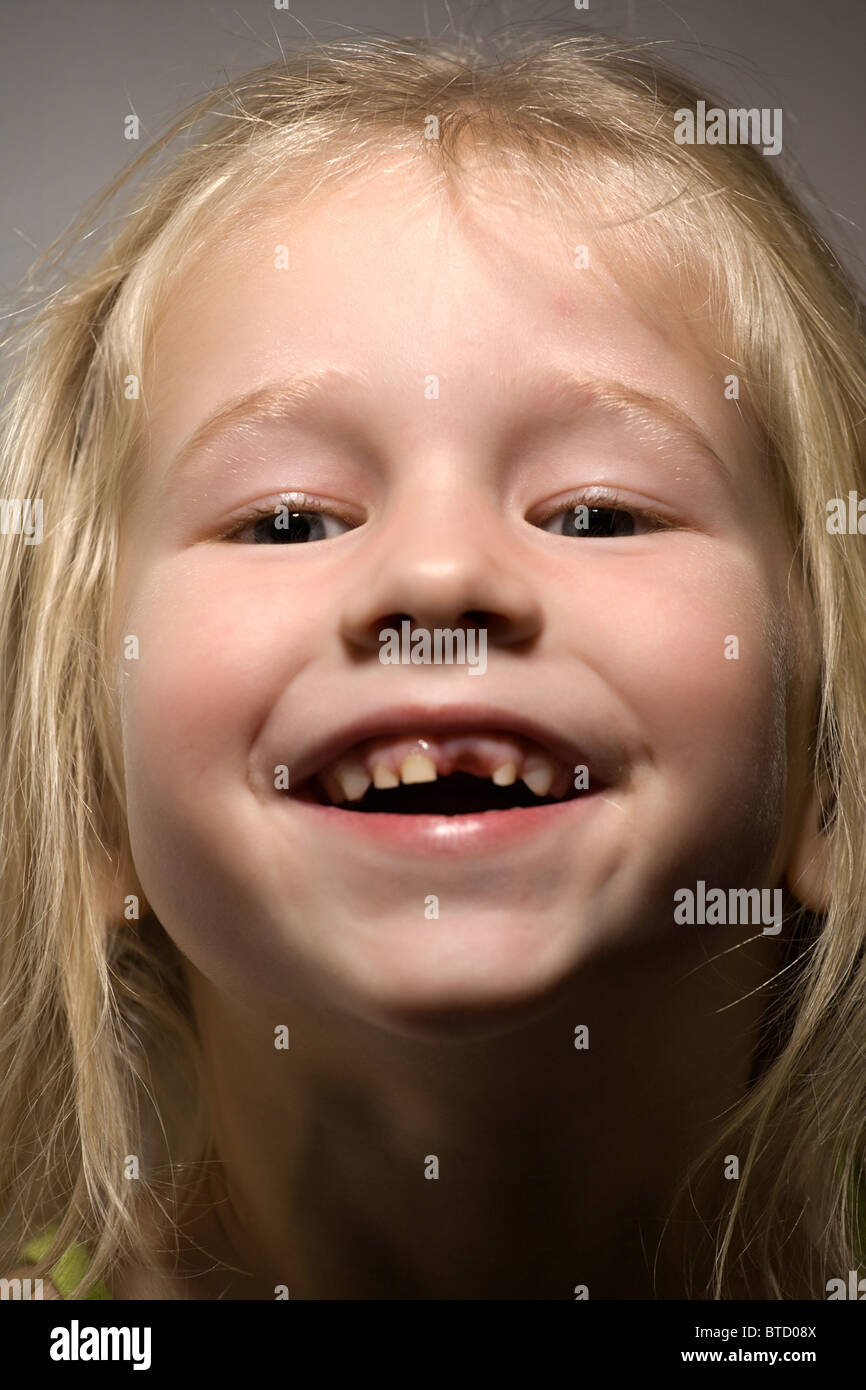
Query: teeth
538, 776
417, 767
354, 780
383, 777
349, 779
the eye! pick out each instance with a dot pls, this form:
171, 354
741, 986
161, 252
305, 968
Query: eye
294, 520
598, 514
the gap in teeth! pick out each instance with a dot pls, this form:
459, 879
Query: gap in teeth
388, 763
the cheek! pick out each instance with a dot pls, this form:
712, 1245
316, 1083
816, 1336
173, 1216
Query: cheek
215, 648
692, 646
700, 651
214, 651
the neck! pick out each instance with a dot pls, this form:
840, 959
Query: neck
365, 1164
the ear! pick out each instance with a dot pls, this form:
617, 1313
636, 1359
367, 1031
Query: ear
807, 872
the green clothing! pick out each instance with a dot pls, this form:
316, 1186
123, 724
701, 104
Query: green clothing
72, 1264
74, 1261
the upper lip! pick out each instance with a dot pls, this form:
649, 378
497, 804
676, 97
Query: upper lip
603, 764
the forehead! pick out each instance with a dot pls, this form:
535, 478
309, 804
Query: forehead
389, 274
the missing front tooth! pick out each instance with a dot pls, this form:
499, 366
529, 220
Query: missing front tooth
460, 794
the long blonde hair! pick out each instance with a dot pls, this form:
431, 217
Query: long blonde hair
95, 1018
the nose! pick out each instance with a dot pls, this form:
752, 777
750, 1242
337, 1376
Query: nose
443, 563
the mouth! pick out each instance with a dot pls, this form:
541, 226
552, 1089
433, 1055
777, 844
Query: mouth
455, 780
446, 773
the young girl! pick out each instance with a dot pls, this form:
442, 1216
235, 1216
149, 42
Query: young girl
332, 975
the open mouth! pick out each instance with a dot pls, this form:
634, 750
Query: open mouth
460, 794
456, 775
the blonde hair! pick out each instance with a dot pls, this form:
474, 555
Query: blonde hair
95, 1018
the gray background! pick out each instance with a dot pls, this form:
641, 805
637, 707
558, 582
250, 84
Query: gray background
72, 71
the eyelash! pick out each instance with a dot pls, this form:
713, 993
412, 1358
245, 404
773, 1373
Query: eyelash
601, 498
296, 501
608, 499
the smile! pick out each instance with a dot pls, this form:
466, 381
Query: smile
451, 792
453, 779
446, 774
462, 828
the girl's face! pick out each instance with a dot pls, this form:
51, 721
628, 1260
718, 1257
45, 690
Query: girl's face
447, 459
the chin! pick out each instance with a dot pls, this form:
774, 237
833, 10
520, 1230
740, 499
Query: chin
479, 1004
455, 1022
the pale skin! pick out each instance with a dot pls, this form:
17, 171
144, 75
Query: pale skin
454, 1037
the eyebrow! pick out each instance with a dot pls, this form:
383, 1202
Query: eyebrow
575, 395
556, 389
277, 400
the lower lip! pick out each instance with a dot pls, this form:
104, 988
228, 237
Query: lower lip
469, 834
